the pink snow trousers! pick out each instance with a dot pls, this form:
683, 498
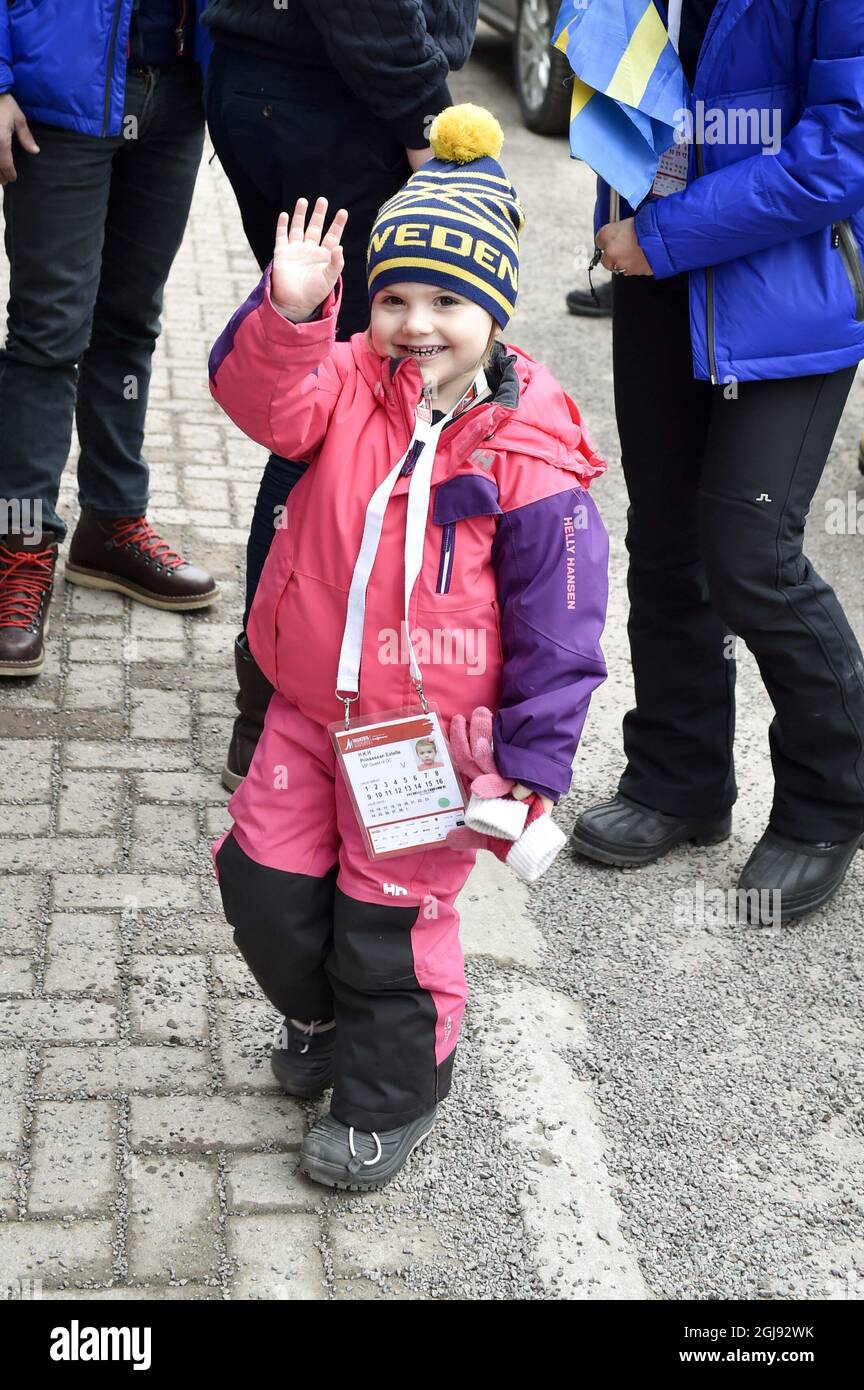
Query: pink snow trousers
328, 933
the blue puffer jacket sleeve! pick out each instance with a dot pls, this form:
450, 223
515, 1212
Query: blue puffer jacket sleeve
550, 559
815, 178
6, 75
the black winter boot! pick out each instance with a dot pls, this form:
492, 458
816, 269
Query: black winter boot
303, 1061
253, 697
338, 1155
624, 833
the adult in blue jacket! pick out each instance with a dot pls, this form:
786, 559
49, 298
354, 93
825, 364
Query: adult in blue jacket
101, 132
738, 322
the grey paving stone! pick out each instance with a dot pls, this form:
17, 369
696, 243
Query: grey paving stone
214, 1122
57, 1020
57, 1252
16, 975
8, 1191
72, 1158
160, 714
89, 802
173, 1226
247, 1028
122, 1068
82, 954
20, 903
264, 1182
83, 753
25, 764
168, 997
164, 837
97, 687
277, 1257
13, 1063
121, 890
52, 853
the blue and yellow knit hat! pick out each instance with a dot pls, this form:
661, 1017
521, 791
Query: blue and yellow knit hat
456, 222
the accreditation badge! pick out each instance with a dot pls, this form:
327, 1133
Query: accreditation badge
672, 169
406, 793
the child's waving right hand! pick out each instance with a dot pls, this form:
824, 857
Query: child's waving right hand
306, 265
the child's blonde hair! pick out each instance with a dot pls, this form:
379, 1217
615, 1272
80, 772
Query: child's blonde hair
493, 337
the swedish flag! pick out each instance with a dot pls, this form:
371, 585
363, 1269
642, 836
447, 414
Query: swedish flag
628, 90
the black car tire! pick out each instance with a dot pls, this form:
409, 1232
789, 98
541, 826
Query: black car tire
546, 112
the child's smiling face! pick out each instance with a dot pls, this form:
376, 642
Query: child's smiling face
445, 333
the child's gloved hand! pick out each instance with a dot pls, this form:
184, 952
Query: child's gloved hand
492, 809
531, 855
306, 265
509, 820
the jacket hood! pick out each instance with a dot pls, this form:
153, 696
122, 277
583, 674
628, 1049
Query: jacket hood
529, 412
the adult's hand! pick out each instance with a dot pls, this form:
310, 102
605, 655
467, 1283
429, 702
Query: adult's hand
417, 158
621, 249
13, 122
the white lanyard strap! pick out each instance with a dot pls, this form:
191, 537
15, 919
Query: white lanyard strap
674, 22
419, 488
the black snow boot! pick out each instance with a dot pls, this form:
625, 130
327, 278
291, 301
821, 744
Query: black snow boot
341, 1156
303, 1061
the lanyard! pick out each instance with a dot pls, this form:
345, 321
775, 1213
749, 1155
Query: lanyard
674, 22
419, 488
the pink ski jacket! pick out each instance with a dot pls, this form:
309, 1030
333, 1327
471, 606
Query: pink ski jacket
511, 599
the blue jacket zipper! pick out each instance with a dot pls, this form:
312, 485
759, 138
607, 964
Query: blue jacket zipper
109, 77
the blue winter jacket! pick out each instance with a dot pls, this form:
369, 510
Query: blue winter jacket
774, 242
65, 60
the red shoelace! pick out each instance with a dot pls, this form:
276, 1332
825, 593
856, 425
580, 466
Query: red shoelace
137, 531
25, 577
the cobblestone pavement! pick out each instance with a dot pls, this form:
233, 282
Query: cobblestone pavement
145, 1150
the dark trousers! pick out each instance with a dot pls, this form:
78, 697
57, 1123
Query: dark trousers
92, 228
282, 133
719, 490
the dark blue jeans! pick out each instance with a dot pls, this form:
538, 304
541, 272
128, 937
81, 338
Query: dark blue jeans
282, 133
92, 228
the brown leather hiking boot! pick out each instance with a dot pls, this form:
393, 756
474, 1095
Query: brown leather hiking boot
253, 697
26, 581
127, 555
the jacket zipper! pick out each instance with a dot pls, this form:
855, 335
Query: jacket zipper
106, 116
445, 565
180, 31
843, 239
709, 290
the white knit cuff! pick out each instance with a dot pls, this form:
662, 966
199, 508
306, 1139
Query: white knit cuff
501, 816
535, 850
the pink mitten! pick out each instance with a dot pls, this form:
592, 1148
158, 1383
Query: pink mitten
492, 810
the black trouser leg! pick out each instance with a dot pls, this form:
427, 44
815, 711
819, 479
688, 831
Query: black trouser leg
283, 928
765, 455
678, 738
152, 182
384, 1062
55, 225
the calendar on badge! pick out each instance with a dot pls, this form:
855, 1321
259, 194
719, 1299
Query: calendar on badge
407, 795
671, 176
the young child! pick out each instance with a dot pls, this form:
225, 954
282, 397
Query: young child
361, 955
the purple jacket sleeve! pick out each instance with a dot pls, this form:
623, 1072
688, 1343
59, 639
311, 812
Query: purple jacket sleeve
550, 559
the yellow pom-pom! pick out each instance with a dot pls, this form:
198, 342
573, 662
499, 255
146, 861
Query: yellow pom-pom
466, 132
